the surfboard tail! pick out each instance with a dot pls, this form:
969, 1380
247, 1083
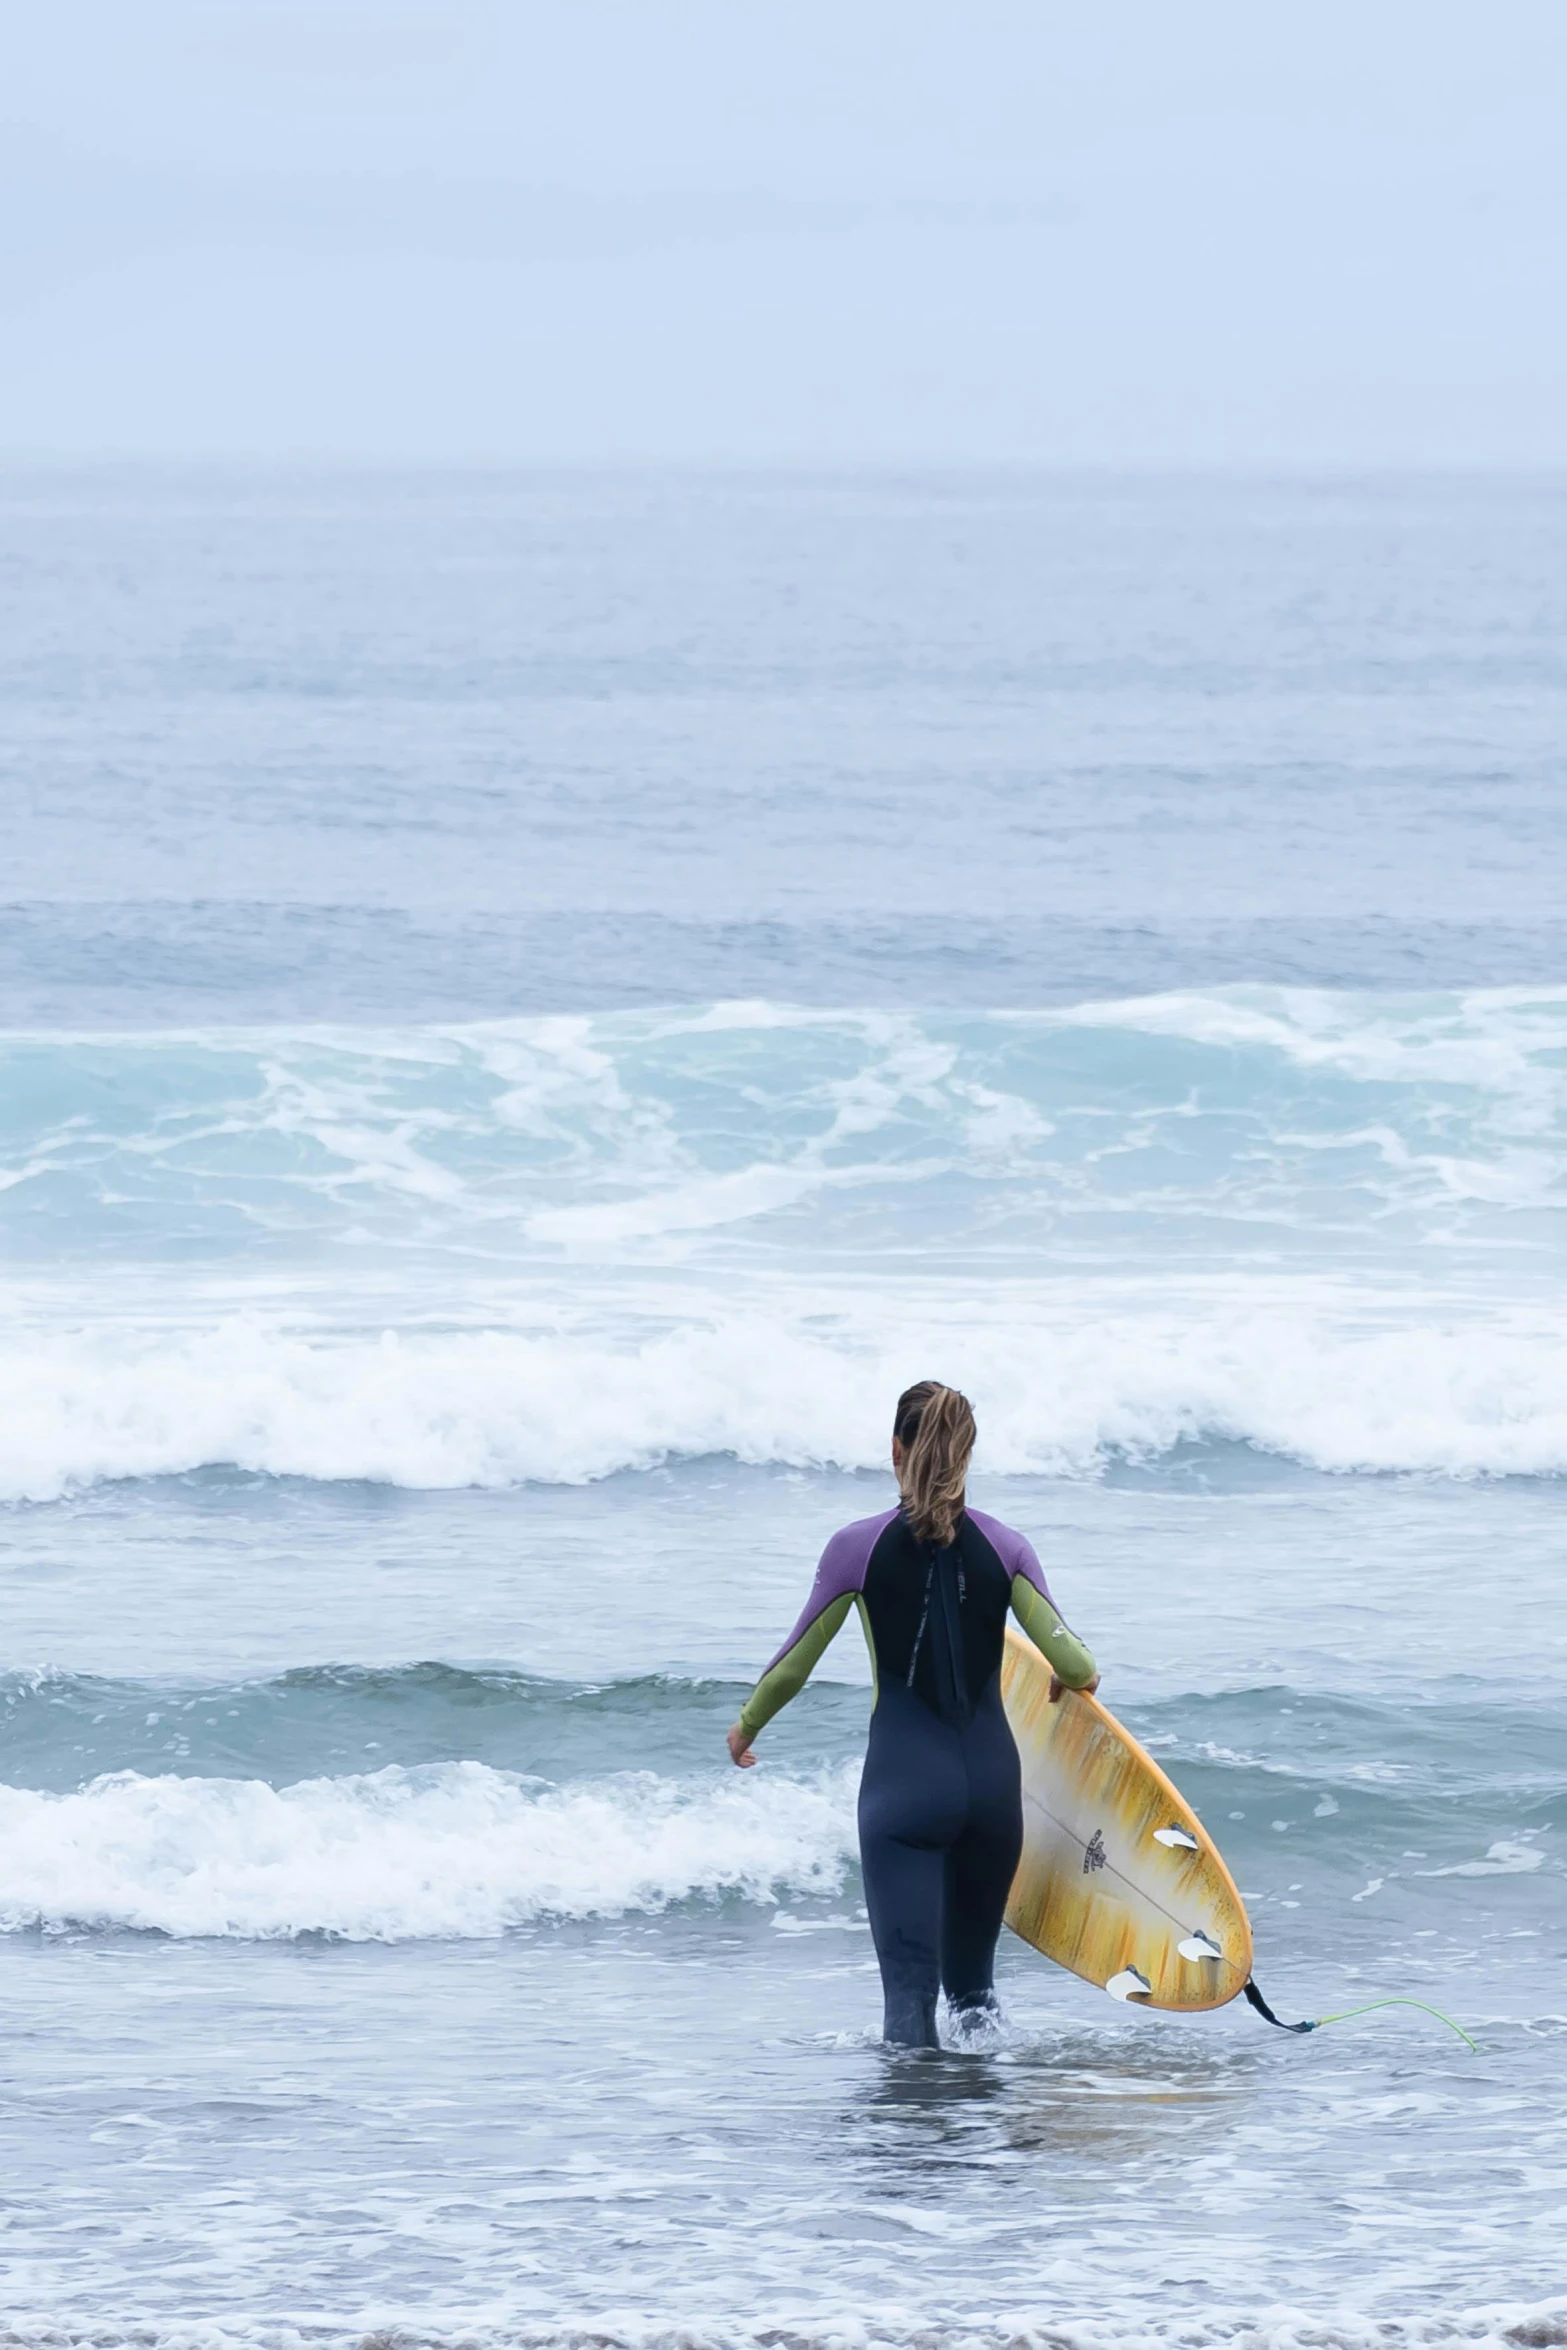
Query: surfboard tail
1119, 1881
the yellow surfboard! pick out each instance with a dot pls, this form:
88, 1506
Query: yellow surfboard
1119, 1881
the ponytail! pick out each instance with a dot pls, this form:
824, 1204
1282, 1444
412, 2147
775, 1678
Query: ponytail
935, 1426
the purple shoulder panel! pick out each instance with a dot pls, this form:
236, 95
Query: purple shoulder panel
842, 1568
1014, 1550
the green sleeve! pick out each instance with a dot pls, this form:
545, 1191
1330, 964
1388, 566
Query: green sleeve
787, 1675
1068, 1659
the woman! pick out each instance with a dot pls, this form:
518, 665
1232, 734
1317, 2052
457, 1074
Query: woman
941, 1804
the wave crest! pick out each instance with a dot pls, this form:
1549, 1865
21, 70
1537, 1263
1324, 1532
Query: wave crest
1060, 1394
449, 1850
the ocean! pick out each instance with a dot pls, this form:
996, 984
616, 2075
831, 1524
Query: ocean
529, 1009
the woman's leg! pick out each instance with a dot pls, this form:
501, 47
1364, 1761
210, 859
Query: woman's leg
982, 1862
911, 1807
903, 1897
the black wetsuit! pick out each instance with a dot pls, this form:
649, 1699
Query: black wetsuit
940, 1817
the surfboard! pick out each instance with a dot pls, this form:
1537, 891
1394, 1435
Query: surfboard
1119, 1880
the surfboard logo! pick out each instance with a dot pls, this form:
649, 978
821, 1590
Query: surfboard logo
1094, 1853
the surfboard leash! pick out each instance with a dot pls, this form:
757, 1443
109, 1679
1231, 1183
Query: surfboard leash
1255, 1999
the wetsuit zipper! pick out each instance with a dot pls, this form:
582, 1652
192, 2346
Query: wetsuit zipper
953, 1699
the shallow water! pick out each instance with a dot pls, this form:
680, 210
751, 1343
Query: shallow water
441, 1332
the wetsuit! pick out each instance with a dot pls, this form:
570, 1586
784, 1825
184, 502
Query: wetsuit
941, 1807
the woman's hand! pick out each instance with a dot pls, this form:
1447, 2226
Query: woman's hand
739, 1744
1058, 1688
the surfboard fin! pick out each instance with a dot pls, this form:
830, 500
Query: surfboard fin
1130, 1983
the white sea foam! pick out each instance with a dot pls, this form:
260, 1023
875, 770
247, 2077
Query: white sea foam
1355, 1173
1512, 1857
652, 1131
1064, 1380
1499, 2326
452, 1849
1486, 1038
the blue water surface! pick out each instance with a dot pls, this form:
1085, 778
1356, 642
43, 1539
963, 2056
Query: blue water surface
529, 1008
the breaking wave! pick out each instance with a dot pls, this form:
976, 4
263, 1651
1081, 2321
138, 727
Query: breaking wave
1374, 1386
451, 1849
1328, 1227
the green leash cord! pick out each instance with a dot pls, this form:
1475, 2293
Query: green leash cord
1255, 1999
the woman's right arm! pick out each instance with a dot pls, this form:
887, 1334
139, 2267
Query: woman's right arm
838, 1577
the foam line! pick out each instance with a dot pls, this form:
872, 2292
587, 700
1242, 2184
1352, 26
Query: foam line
451, 1849
1439, 1391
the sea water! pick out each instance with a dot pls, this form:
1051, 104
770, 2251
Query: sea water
531, 1009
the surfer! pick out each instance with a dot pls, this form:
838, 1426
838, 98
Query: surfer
941, 1805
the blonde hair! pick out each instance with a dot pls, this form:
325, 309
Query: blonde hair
935, 1426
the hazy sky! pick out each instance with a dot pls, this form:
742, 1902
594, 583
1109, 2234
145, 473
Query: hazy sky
1134, 232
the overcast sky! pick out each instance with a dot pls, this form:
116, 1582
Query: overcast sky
1131, 232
